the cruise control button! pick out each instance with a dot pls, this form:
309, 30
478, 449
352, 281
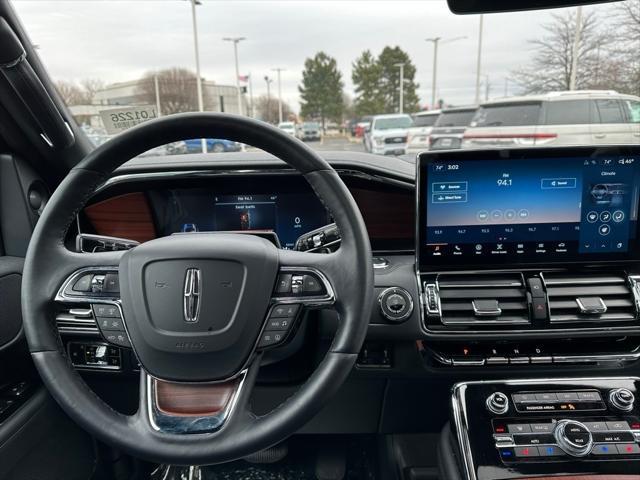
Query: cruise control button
280, 311
117, 338
100, 310
110, 323
274, 324
268, 339
83, 284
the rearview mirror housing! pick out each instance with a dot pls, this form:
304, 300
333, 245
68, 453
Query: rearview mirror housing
466, 7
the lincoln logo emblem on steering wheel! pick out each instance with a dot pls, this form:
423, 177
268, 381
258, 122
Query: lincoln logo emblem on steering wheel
192, 290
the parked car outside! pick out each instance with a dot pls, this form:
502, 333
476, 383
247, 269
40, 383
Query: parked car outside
362, 126
216, 145
423, 123
587, 117
289, 127
310, 131
449, 128
388, 134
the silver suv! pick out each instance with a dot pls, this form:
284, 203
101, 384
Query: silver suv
581, 117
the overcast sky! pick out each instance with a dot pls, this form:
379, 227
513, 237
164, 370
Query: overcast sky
120, 40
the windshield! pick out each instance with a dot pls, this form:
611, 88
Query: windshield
455, 119
389, 123
517, 114
424, 120
119, 63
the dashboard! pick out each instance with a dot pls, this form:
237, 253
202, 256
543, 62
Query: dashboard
278, 203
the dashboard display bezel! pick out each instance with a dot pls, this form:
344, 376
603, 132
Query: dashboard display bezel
425, 263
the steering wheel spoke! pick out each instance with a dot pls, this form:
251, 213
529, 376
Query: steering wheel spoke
183, 408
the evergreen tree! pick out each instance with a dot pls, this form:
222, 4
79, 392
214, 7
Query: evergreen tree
321, 92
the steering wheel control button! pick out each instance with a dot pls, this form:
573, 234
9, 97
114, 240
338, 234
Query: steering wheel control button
285, 311
573, 438
111, 283
497, 403
97, 283
395, 304
102, 310
311, 285
117, 338
275, 324
111, 324
83, 284
269, 339
284, 283
622, 399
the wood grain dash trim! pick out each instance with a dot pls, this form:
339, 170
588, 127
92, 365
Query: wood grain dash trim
193, 399
125, 216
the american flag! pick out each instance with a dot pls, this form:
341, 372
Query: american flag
243, 78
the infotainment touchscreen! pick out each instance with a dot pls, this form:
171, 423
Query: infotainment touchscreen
527, 206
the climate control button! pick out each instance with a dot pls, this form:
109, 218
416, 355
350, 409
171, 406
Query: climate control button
622, 399
573, 438
497, 403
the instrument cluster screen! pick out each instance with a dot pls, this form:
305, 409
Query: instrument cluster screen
524, 210
288, 215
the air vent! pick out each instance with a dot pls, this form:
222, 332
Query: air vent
590, 299
478, 300
78, 320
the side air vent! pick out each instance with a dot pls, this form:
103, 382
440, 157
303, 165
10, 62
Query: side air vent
591, 299
478, 300
78, 320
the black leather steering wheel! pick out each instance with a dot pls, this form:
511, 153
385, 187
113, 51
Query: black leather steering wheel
167, 283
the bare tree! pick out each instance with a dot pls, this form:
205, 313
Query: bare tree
626, 28
71, 93
551, 66
267, 109
90, 86
177, 88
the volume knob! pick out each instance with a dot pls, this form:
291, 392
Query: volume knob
497, 403
573, 438
622, 399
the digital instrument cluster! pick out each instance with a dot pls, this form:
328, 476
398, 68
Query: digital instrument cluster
525, 206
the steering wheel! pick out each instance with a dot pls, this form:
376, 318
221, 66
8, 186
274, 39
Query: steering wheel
197, 308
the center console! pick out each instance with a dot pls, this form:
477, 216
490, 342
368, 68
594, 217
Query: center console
526, 428
528, 257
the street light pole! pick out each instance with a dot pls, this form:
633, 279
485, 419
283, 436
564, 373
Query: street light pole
479, 62
436, 41
252, 114
268, 80
235, 41
157, 89
401, 67
198, 78
575, 49
279, 70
